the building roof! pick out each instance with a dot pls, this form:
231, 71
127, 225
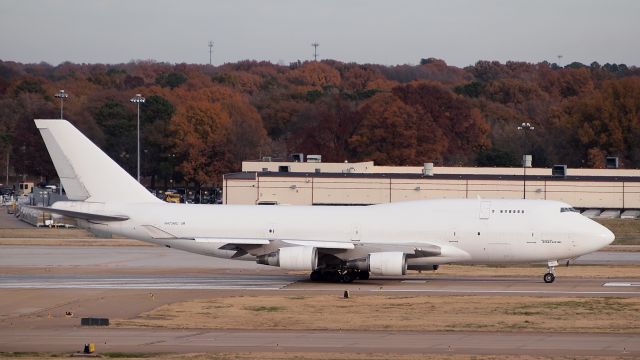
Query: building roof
251, 175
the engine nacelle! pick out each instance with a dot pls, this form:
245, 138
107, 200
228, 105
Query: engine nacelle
292, 258
388, 263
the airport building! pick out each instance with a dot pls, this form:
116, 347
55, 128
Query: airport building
604, 192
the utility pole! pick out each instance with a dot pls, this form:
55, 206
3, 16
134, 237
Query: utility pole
210, 51
7, 182
315, 50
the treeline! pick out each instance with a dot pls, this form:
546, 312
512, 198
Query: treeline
201, 121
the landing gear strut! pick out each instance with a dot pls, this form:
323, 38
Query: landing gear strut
550, 276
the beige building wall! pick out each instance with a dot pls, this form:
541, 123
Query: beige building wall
348, 183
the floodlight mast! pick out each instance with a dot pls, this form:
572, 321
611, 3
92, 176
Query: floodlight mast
137, 100
61, 95
526, 127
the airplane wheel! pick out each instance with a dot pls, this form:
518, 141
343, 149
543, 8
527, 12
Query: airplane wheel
549, 278
363, 275
315, 276
347, 277
331, 276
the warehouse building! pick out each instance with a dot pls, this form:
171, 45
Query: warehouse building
604, 192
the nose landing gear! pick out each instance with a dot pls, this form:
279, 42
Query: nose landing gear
550, 276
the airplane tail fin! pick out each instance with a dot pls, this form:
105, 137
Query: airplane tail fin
86, 172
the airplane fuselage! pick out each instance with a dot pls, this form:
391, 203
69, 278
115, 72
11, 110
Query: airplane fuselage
468, 231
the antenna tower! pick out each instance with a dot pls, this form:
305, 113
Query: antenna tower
210, 51
315, 51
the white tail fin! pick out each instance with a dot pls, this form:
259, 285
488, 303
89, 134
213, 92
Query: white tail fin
86, 172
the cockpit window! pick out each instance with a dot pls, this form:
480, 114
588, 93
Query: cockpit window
568, 209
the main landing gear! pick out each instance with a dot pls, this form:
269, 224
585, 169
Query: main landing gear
339, 276
550, 276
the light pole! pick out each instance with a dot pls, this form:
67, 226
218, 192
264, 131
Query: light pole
138, 99
61, 95
526, 127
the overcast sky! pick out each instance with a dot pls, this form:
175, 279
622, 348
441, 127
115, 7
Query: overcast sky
364, 31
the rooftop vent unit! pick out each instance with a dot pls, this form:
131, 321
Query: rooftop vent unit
266, 159
612, 162
427, 170
559, 171
314, 158
297, 157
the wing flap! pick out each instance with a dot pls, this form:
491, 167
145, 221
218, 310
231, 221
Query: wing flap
235, 241
322, 244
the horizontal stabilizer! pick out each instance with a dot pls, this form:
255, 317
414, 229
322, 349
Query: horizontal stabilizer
82, 215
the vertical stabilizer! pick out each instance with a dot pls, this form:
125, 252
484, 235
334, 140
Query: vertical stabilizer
86, 172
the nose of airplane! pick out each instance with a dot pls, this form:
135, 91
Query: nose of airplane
605, 236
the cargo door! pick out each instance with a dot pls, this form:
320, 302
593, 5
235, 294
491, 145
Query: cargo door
485, 209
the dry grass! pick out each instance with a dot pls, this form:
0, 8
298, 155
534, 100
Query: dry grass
301, 356
535, 271
379, 312
45, 233
627, 231
60, 237
71, 242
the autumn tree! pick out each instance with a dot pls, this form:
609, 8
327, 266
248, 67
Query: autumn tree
449, 128
386, 132
118, 124
155, 117
606, 123
214, 132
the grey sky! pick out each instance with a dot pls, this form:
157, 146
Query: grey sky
373, 31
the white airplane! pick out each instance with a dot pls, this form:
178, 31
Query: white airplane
333, 243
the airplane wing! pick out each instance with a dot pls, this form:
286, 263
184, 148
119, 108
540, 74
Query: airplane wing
412, 250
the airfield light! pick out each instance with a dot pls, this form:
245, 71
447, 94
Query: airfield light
526, 127
61, 95
137, 100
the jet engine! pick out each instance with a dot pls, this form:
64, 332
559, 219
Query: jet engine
382, 263
292, 258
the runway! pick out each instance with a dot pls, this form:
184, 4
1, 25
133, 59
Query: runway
396, 342
423, 285
125, 267
241, 282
